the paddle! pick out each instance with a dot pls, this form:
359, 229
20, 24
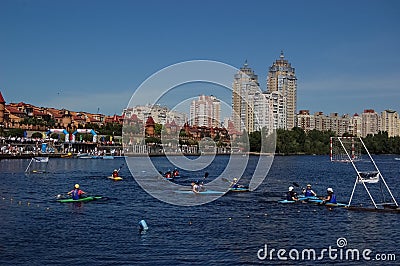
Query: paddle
120, 168
226, 180
205, 176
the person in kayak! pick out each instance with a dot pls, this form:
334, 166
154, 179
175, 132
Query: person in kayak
195, 187
308, 192
175, 173
115, 173
291, 195
76, 193
168, 174
331, 197
234, 184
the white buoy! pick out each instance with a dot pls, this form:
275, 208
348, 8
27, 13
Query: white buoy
143, 225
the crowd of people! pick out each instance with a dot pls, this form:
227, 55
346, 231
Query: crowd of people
18, 145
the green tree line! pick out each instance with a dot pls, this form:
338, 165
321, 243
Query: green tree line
297, 141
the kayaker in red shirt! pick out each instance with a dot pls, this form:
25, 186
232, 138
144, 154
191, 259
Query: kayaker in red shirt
115, 173
76, 192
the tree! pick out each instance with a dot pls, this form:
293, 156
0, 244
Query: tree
14, 132
37, 135
157, 129
255, 141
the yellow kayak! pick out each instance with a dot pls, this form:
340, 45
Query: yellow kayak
117, 178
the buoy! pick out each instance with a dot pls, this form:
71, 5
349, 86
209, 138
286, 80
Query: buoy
143, 225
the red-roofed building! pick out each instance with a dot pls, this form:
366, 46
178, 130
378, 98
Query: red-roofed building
150, 127
117, 119
2, 109
171, 128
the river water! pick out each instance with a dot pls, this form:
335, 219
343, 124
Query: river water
235, 229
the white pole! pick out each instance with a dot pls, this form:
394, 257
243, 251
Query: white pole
383, 179
358, 175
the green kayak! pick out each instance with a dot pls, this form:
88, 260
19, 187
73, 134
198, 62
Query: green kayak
90, 198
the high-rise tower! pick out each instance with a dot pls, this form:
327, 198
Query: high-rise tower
205, 111
282, 78
245, 86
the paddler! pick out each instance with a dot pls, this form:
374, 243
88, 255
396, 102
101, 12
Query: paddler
195, 187
330, 197
115, 173
175, 173
308, 192
168, 174
234, 183
291, 194
76, 192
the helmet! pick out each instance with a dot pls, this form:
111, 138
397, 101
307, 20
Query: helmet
76, 185
115, 170
235, 179
330, 189
291, 188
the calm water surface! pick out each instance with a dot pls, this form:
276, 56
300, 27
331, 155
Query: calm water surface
36, 230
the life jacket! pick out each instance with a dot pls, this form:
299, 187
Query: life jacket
75, 194
168, 175
308, 193
290, 195
332, 199
196, 188
176, 173
115, 174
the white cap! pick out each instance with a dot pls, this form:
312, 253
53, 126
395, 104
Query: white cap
291, 188
330, 189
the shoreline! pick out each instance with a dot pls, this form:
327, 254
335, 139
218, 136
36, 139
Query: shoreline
66, 156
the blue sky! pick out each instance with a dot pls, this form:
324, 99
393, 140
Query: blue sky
90, 55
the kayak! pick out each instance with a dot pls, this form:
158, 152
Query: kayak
117, 178
90, 198
239, 189
335, 204
201, 192
321, 202
287, 201
312, 198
